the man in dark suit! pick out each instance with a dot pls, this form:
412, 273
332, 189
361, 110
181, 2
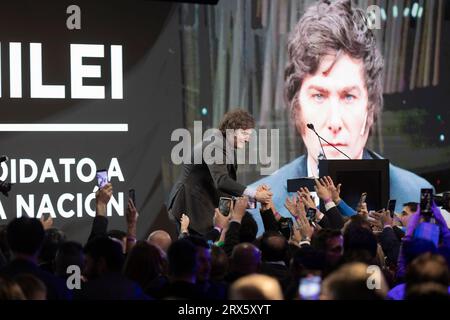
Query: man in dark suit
211, 175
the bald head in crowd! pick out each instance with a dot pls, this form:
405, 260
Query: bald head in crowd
161, 239
246, 258
350, 282
256, 287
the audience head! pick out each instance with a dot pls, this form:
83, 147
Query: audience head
219, 263
52, 240
274, 247
356, 221
307, 261
350, 282
245, 258
203, 258
331, 243
427, 291
409, 209
32, 287
25, 236
10, 290
360, 245
161, 239
256, 287
120, 236
182, 255
249, 228
69, 253
427, 268
103, 255
143, 264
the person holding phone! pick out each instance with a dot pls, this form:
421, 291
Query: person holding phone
201, 184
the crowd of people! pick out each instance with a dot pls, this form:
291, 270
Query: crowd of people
318, 252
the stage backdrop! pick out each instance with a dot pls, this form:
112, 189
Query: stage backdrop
102, 80
89, 85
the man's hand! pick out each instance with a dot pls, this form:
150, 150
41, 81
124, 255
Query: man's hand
131, 215
263, 195
102, 197
375, 219
322, 191
363, 210
46, 223
386, 218
305, 196
335, 191
219, 220
265, 205
238, 210
184, 222
305, 228
291, 206
296, 236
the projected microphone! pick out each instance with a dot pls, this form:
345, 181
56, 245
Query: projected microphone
311, 127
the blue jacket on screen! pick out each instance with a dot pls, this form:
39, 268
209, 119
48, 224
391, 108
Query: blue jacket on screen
404, 186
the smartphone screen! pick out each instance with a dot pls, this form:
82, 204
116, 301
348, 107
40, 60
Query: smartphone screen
311, 214
426, 196
251, 203
309, 288
102, 178
293, 185
225, 205
132, 196
391, 206
286, 227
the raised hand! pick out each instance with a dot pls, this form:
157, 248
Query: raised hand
305, 196
131, 214
322, 191
291, 205
263, 195
102, 197
334, 190
184, 221
219, 220
239, 208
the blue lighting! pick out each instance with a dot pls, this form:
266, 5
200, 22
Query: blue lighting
441, 137
204, 111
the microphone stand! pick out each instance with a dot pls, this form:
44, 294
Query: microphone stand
318, 136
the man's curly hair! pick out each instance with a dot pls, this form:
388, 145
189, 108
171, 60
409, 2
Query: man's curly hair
236, 119
333, 27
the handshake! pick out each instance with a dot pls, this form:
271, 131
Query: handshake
263, 194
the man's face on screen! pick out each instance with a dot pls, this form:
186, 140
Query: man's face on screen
335, 102
242, 136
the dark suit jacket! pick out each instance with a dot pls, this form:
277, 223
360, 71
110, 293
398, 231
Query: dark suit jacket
332, 219
199, 187
390, 243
